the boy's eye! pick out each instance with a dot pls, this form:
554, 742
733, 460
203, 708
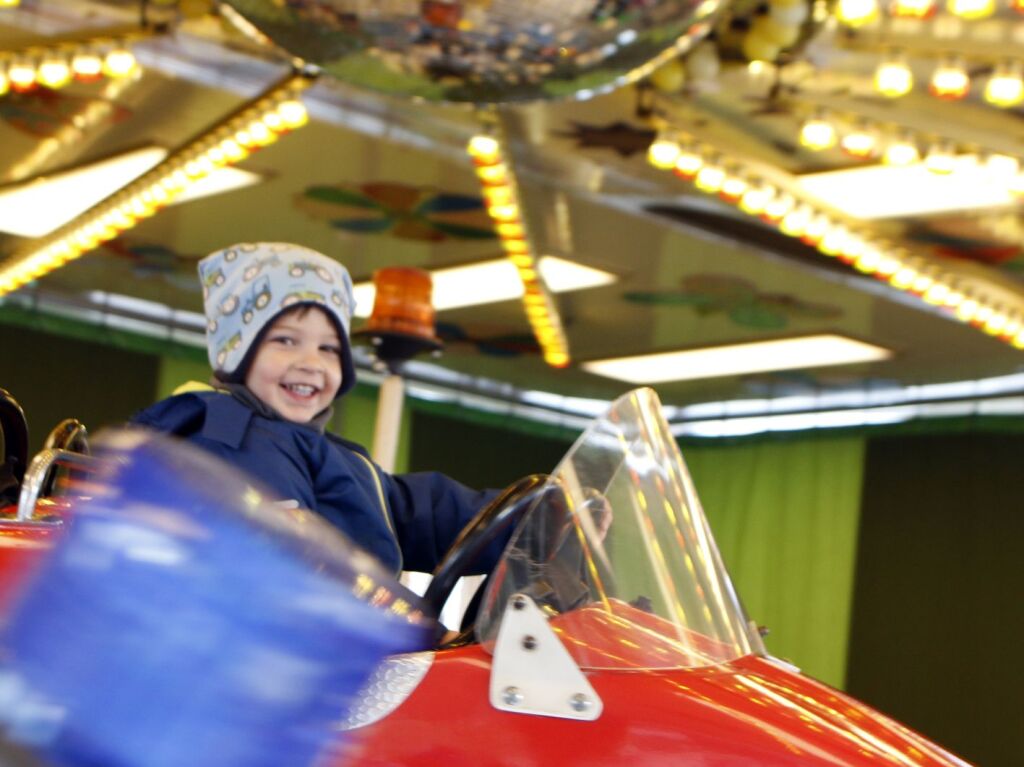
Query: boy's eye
284, 340
336, 350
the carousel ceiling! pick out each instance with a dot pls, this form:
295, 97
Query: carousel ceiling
773, 217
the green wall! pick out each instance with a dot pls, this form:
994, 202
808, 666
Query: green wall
54, 377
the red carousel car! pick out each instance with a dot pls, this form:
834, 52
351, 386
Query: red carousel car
608, 634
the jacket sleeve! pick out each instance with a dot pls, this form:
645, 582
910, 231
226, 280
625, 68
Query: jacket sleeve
429, 510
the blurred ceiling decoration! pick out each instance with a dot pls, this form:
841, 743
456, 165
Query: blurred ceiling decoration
754, 112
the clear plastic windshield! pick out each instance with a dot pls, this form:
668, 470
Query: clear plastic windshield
616, 549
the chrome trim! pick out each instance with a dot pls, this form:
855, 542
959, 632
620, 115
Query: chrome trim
39, 471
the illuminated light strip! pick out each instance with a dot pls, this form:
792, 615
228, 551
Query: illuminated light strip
820, 229
256, 124
54, 62
501, 195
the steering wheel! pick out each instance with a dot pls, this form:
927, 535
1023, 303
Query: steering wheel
69, 435
14, 430
495, 519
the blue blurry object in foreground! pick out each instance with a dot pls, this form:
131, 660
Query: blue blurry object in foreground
185, 620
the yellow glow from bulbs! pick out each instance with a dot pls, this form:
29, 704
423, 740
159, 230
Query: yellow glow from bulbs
856, 13
936, 294
54, 72
484, 149
493, 174
971, 9
293, 112
868, 260
120, 62
818, 133
260, 133
1005, 88
689, 163
733, 187
894, 79
816, 228
795, 222
901, 152
755, 199
710, 179
22, 75
504, 213
663, 153
778, 207
87, 65
940, 160
903, 278
950, 81
859, 143
912, 9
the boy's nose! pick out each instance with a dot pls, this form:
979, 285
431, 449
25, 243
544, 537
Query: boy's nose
311, 361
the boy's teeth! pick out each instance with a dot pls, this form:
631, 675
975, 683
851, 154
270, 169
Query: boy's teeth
303, 389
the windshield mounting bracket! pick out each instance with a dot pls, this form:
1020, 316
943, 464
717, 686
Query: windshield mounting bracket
533, 673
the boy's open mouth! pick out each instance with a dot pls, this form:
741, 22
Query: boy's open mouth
301, 390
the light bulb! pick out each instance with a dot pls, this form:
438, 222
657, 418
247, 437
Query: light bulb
971, 9
22, 75
710, 178
688, 163
856, 13
817, 133
755, 199
733, 187
861, 142
663, 152
484, 149
778, 207
912, 9
54, 72
950, 80
293, 112
87, 65
900, 152
893, 78
941, 159
1005, 88
119, 62
794, 223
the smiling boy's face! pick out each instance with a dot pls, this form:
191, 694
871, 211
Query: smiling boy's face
297, 366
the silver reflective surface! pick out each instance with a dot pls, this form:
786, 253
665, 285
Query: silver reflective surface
481, 51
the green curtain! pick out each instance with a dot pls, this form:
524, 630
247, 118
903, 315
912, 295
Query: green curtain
785, 515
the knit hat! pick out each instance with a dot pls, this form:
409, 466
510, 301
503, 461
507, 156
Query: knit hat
246, 286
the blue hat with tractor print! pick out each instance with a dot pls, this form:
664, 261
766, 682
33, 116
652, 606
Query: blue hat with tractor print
245, 287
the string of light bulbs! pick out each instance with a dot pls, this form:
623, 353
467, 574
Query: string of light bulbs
859, 13
260, 122
711, 172
501, 195
59, 61
867, 139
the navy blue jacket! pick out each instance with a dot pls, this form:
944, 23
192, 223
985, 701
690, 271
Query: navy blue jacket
407, 520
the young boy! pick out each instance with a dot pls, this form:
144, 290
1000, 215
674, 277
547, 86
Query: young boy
278, 318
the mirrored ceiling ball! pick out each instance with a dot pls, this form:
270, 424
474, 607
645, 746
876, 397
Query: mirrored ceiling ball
481, 51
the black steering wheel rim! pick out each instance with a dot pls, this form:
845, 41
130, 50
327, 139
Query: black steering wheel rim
15, 441
500, 515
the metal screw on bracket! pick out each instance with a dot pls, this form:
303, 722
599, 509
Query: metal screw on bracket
580, 702
529, 642
512, 696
